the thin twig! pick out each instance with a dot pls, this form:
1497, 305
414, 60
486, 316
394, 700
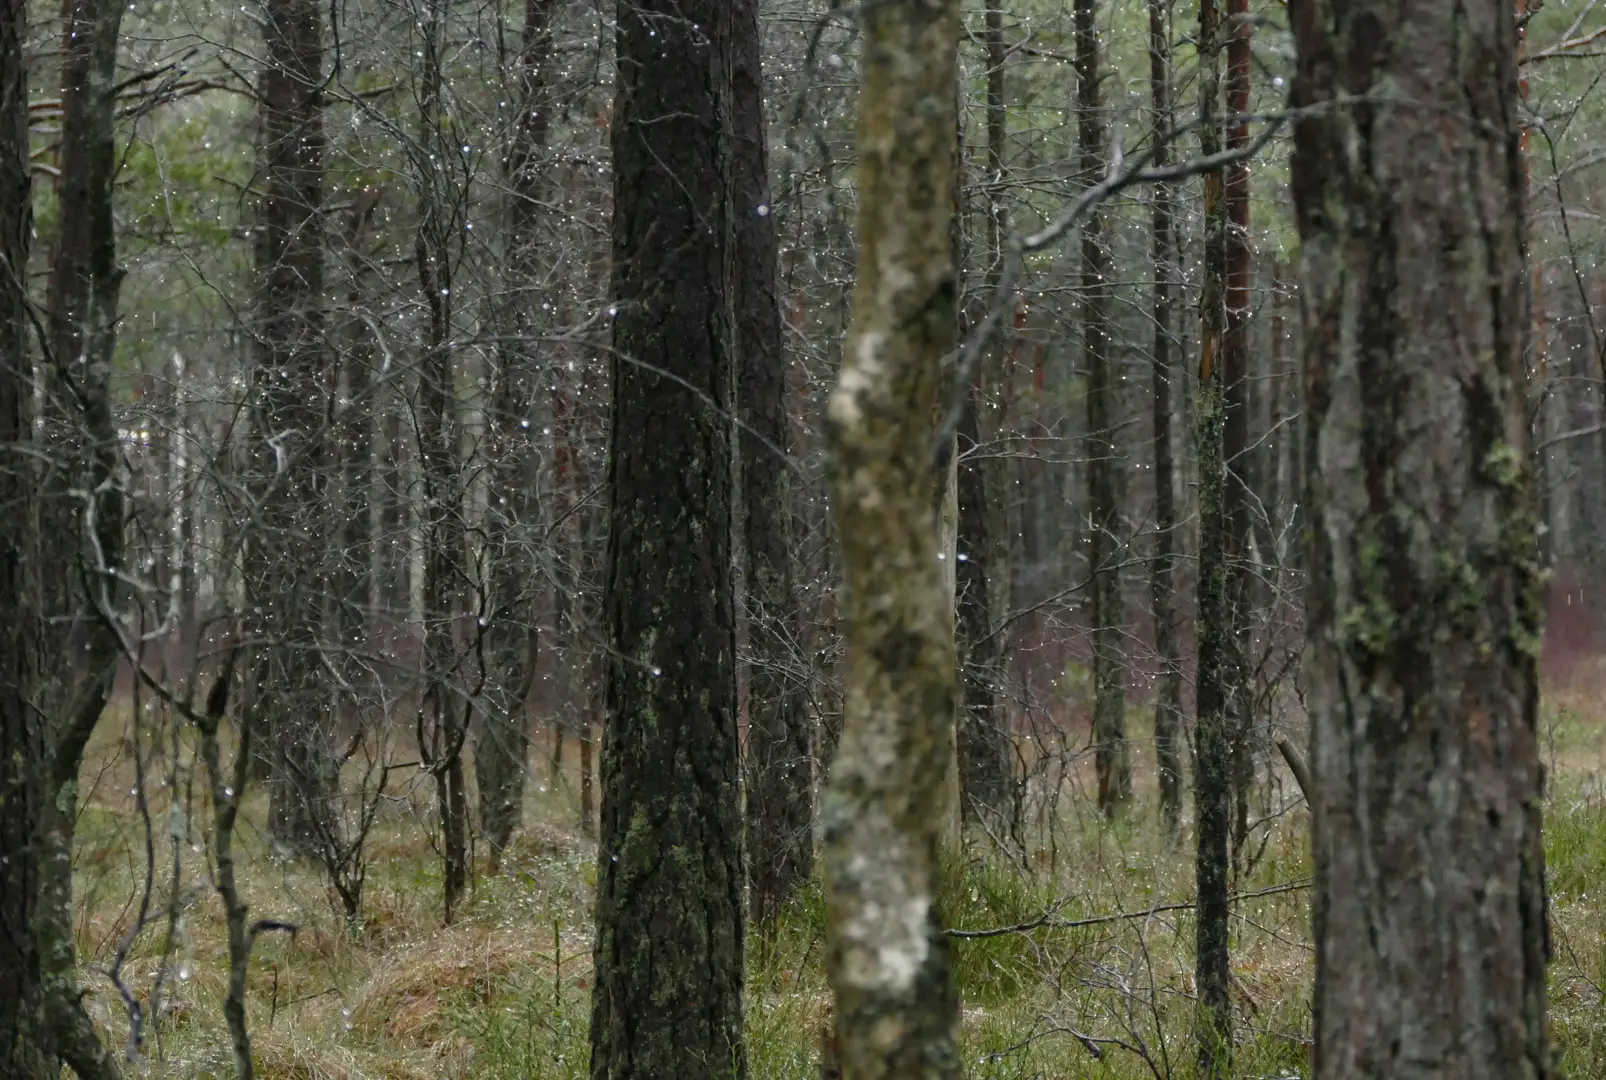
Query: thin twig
1048, 922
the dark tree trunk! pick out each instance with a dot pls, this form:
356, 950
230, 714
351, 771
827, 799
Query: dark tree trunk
1168, 740
1425, 594
984, 774
283, 569
501, 754
26, 1049
444, 711
1215, 634
780, 789
986, 787
667, 999
1235, 448
60, 649
1106, 543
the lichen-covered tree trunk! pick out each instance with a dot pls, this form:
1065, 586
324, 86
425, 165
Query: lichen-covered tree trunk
896, 1005
1168, 738
283, 572
667, 1000
1425, 593
780, 792
1111, 757
1215, 636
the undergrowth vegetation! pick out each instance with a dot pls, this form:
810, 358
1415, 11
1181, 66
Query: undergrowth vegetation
1100, 986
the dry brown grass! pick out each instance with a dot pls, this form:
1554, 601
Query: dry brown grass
405, 998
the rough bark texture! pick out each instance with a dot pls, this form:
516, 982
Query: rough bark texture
1168, 739
668, 994
67, 651
780, 793
1216, 640
282, 571
24, 1049
896, 1004
1425, 596
1111, 756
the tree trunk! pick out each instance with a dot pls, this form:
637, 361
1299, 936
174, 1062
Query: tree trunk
1168, 738
1216, 635
896, 1004
1110, 753
1425, 595
985, 781
780, 789
283, 563
62, 554
26, 1049
1235, 450
445, 713
984, 773
501, 754
667, 999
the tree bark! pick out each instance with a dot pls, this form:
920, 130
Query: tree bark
1425, 594
1235, 449
780, 791
896, 1004
1168, 739
986, 784
1215, 635
283, 570
1111, 756
444, 712
667, 999
62, 549
26, 1049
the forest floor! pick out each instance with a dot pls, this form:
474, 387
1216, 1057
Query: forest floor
504, 993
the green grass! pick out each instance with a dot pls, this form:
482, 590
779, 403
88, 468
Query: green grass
505, 993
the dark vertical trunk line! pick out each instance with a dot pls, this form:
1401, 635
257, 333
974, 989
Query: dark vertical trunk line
1168, 692
780, 788
667, 996
284, 577
985, 782
984, 775
444, 714
65, 606
1235, 432
1104, 482
25, 1048
1214, 633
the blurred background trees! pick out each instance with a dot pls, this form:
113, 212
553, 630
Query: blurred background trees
318, 354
